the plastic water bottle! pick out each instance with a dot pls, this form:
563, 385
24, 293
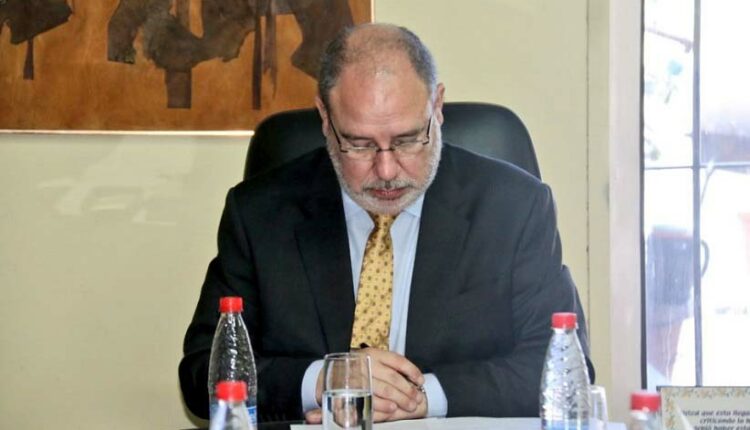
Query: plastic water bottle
644, 411
564, 392
231, 413
232, 356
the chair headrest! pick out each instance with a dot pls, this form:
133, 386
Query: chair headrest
487, 129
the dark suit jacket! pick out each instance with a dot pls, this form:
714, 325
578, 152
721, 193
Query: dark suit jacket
487, 277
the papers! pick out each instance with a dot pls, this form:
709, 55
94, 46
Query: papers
705, 408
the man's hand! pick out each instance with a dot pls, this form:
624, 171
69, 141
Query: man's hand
314, 416
395, 382
395, 387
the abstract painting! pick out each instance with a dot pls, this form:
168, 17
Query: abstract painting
174, 65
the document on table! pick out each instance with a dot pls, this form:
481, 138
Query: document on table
461, 423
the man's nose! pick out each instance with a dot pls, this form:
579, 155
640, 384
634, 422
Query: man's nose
386, 165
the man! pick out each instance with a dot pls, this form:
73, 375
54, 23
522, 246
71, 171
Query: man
471, 268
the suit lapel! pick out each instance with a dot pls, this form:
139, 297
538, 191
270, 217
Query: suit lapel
443, 229
324, 249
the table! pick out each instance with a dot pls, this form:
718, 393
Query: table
461, 423
286, 425
458, 423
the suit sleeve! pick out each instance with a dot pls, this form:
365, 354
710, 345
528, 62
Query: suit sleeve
233, 273
509, 385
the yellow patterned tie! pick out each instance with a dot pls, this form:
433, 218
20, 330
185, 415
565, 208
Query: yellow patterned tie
372, 316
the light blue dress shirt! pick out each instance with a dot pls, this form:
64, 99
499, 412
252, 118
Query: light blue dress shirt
404, 234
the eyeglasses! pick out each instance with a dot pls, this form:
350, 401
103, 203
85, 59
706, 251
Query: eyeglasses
401, 148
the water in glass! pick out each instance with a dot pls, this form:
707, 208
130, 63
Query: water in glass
347, 409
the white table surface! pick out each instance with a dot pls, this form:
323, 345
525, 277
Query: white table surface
462, 423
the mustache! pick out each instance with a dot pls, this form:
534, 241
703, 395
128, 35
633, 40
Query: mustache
389, 185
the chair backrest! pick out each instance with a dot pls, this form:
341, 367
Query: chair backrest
487, 129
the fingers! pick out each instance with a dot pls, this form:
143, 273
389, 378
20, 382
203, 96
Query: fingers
319, 388
393, 379
383, 406
400, 414
314, 416
398, 363
395, 392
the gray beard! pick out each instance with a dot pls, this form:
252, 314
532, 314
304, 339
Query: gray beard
373, 205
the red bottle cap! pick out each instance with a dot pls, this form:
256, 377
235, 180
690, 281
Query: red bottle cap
565, 320
231, 391
646, 401
230, 304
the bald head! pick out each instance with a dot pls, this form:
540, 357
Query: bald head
373, 48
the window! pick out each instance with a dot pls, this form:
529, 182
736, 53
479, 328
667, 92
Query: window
696, 192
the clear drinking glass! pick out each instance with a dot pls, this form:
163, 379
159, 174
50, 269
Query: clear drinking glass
347, 392
598, 416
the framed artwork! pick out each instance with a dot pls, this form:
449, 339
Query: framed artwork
162, 65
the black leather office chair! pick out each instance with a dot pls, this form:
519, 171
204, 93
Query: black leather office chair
487, 129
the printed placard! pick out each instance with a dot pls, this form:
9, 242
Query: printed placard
706, 408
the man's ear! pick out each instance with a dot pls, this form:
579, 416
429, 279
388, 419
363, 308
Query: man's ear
439, 94
323, 112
